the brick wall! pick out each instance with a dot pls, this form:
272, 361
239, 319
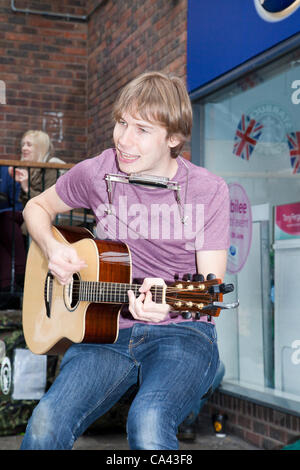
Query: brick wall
63, 75
127, 38
260, 425
43, 62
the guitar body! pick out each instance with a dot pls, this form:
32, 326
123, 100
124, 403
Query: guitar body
87, 310
52, 318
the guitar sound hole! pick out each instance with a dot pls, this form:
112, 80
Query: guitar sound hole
75, 293
71, 294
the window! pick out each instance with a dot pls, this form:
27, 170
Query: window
249, 133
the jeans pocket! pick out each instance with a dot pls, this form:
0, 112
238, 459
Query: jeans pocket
206, 330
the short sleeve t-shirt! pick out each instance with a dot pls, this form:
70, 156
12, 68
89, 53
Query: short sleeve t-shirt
150, 220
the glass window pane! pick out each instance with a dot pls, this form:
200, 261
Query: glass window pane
251, 136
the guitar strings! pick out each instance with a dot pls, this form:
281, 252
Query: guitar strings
128, 286
111, 289
102, 287
98, 291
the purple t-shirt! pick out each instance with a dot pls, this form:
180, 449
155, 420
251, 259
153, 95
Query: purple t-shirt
149, 220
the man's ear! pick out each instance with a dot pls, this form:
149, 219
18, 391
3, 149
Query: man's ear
174, 140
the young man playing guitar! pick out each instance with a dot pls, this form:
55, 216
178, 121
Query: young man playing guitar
170, 232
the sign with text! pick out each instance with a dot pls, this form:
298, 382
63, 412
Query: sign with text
287, 221
240, 228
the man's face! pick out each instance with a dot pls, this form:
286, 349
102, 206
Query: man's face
143, 147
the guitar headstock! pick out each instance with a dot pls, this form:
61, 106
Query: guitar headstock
195, 294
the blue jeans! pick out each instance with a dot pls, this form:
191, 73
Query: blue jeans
216, 382
201, 400
172, 363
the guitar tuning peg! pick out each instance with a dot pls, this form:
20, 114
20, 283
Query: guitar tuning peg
197, 315
187, 277
198, 278
176, 277
210, 276
226, 288
186, 315
221, 288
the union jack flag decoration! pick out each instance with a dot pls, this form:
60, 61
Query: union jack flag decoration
246, 137
294, 146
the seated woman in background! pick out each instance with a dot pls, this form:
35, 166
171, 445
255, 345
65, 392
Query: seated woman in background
10, 222
36, 146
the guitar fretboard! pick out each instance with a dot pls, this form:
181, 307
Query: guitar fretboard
113, 292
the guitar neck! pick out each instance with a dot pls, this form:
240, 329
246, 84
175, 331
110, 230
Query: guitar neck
179, 296
113, 292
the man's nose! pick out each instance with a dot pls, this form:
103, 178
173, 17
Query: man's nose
126, 137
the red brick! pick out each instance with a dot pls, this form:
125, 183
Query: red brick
47, 61
253, 438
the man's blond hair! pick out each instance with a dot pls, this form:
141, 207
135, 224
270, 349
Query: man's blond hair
160, 98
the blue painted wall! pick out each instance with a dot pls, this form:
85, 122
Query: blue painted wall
223, 34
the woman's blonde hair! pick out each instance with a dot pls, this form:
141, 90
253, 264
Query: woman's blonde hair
43, 147
161, 98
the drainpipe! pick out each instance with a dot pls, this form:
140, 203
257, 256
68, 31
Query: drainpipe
65, 16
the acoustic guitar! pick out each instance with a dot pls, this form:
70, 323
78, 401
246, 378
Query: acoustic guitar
87, 310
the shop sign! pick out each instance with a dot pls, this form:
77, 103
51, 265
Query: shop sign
276, 10
276, 124
213, 26
287, 221
240, 228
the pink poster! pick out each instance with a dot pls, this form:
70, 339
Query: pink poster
240, 228
287, 221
